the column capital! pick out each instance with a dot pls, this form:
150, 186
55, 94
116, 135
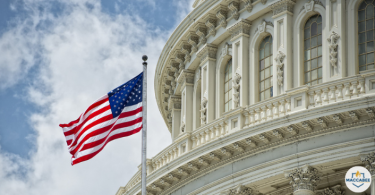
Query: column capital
241, 28
282, 6
186, 77
208, 52
303, 179
174, 102
239, 190
369, 161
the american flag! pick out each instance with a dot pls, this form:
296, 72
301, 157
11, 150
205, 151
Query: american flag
115, 115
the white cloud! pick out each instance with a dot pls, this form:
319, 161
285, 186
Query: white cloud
81, 54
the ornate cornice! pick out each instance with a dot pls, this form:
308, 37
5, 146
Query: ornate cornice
241, 28
208, 52
282, 6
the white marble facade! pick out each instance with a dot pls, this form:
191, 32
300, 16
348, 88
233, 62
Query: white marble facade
258, 94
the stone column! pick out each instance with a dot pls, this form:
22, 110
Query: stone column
282, 47
186, 81
174, 106
208, 63
240, 32
369, 161
197, 99
303, 180
336, 28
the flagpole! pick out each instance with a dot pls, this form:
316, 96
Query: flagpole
144, 125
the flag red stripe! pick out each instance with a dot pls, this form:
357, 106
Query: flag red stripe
117, 126
102, 130
116, 136
101, 120
94, 114
92, 106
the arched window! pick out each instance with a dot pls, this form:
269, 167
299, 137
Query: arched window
265, 69
366, 35
228, 87
313, 50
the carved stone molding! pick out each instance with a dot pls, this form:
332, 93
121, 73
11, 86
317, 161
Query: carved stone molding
234, 7
309, 6
193, 40
236, 86
280, 67
201, 31
369, 161
282, 6
241, 28
226, 50
304, 178
332, 41
248, 5
208, 52
335, 190
211, 24
174, 102
204, 110
240, 190
221, 14
263, 2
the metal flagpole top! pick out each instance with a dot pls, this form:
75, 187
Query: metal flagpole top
144, 58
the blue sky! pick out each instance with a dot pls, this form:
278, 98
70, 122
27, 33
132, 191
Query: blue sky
57, 57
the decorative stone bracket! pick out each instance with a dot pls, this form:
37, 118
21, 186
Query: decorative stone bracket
201, 31
280, 67
332, 41
211, 24
221, 14
248, 5
234, 7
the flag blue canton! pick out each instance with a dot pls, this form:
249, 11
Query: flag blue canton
127, 94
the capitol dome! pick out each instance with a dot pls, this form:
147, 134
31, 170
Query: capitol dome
268, 97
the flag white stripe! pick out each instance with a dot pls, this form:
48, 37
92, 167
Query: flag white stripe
96, 148
119, 121
106, 123
82, 118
